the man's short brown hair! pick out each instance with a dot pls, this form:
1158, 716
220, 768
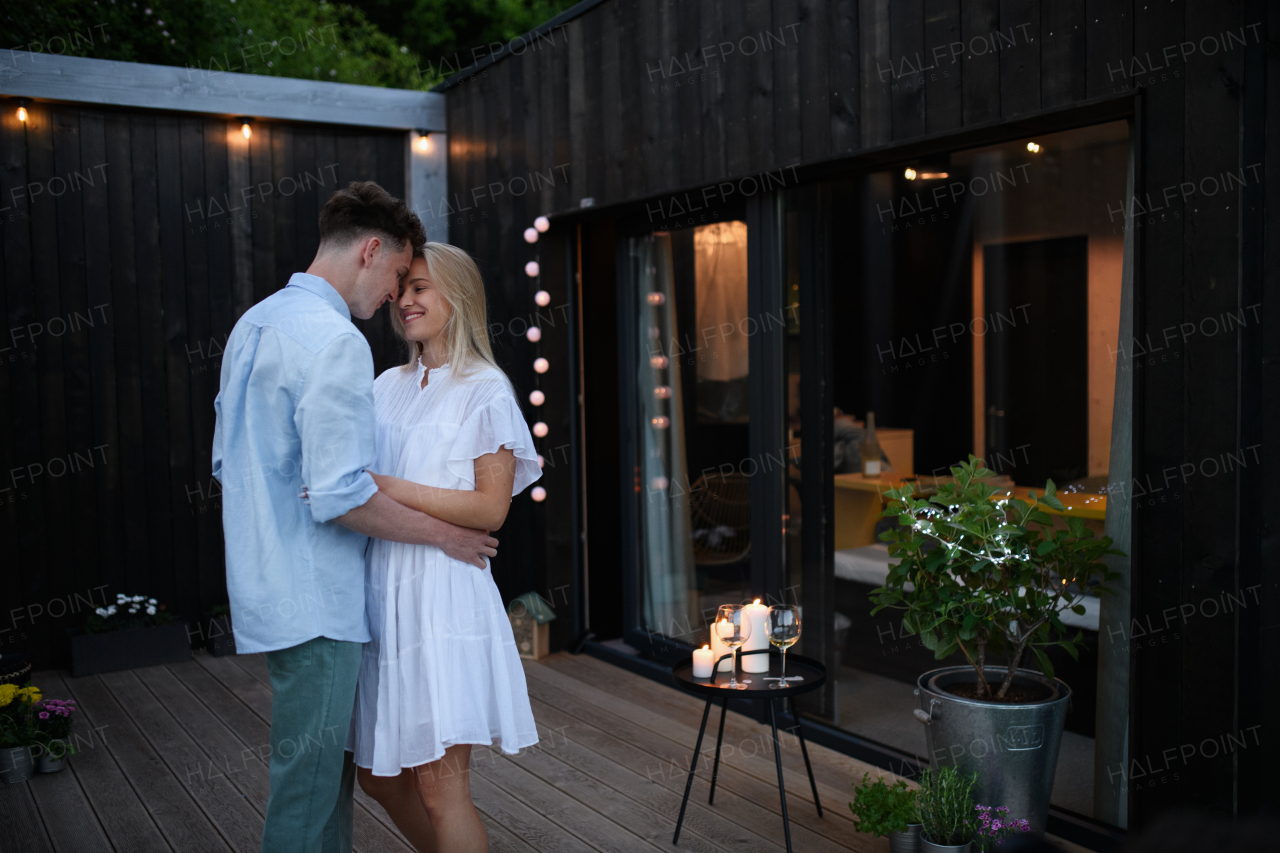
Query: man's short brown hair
365, 208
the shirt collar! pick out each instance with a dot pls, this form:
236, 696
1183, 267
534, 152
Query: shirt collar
315, 284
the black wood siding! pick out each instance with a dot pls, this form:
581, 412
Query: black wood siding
120, 258
600, 99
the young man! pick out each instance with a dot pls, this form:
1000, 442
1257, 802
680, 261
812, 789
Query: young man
295, 407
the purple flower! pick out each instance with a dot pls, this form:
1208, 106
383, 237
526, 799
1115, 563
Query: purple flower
44, 715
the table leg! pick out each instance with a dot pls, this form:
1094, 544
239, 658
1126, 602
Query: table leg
693, 766
715, 768
777, 757
795, 715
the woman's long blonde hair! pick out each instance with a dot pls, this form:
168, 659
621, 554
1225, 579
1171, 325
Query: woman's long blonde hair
466, 333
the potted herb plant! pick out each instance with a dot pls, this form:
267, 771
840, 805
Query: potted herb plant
17, 732
883, 809
946, 808
993, 827
990, 576
51, 720
135, 631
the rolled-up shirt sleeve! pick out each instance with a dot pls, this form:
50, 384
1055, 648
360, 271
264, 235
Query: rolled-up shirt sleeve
335, 423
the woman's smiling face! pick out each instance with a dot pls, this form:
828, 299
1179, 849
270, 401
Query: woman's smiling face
423, 310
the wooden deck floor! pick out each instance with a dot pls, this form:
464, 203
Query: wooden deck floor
171, 762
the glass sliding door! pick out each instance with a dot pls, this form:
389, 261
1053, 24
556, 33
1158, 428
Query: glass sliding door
685, 377
974, 308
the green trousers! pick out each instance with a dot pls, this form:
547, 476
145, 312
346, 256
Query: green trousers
313, 693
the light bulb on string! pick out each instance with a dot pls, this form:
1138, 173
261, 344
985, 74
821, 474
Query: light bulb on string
540, 429
537, 398
542, 298
541, 365
531, 269
530, 235
534, 334
542, 223
539, 494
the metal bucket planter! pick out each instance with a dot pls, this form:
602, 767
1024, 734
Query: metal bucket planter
905, 842
129, 649
927, 846
1013, 749
16, 764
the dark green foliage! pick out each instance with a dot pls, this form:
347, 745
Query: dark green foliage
881, 808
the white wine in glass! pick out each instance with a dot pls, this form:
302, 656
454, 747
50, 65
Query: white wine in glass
733, 627
784, 632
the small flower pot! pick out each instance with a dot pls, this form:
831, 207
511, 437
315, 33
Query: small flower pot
16, 764
927, 846
129, 649
906, 842
46, 763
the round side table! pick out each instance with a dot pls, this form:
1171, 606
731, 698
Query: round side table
812, 676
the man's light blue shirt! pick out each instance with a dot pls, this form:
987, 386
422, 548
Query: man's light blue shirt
295, 406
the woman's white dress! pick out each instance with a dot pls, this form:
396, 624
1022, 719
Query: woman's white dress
442, 667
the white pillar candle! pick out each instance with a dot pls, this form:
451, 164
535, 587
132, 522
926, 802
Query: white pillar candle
719, 650
702, 662
759, 615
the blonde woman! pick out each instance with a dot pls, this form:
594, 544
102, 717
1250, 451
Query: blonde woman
441, 672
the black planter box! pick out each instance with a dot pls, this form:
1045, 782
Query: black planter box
136, 647
218, 637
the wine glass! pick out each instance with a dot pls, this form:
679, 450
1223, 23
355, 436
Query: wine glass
784, 631
733, 627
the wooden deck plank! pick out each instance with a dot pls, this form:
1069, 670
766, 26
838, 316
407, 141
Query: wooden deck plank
21, 830
255, 665
372, 829
561, 808
623, 796
63, 804
505, 810
577, 697
178, 817
739, 796
115, 804
832, 768
212, 788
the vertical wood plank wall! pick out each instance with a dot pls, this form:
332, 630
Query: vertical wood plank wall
620, 105
130, 242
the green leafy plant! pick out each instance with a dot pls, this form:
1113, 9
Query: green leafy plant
946, 805
979, 575
881, 808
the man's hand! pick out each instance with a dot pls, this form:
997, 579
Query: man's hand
467, 545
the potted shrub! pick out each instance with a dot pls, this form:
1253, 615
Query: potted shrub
988, 577
135, 631
215, 629
17, 732
946, 809
891, 810
992, 827
51, 719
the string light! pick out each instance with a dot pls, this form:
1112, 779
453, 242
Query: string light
909, 174
660, 422
425, 143
540, 429
1033, 147
542, 298
22, 110
530, 235
531, 269
656, 298
246, 127
662, 392
542, 223
538, 494
541, 365
537, 398
658, 362
534, 334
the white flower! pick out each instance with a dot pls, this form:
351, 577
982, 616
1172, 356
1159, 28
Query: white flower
120, 596
111, 610
151, 611
151, 601
100, 611
138, 598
